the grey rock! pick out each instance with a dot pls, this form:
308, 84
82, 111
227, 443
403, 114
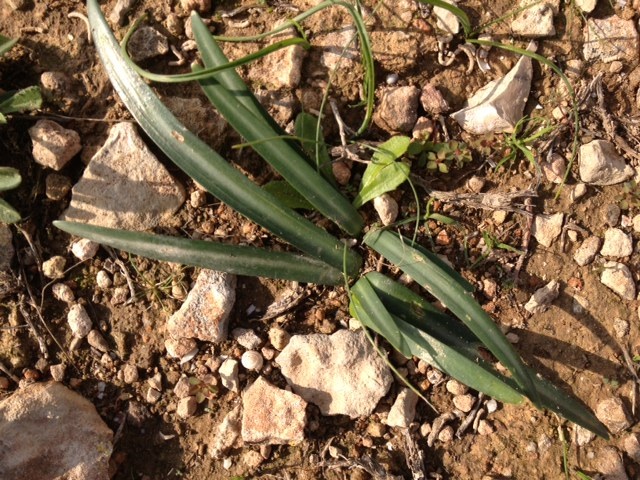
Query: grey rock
340, 373
403, 410
124, 186
53, 145
499, 105
281, 105
613, 414
146, 42
48, 417
542, 298
120, 10
611, 214
227, 433
610, 464
618, 278
535, 21
398, 109
6, 247
387, 208
609, 39
578, 191
79, 321
546, 228
228, 372
271, 415
587, 251
205, 313
616, 244
600, 164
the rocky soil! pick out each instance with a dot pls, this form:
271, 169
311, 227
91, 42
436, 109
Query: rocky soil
116, 366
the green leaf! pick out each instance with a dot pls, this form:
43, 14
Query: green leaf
287, 195
9, 178
6, 44
23, 100
8, 214
384, 173
237, 259
306, 127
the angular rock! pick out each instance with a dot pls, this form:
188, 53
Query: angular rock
609, 39
387, 208
246, 338
145, 43
446, 21
546, 228
272, 416
84, 249
600, 164
587, 251
187, 407
228, 372
49, 431
53, 145
542, 298
205, 313
632, 447
340, 373
227, 433
618, 278
398, 110
6, 247
535, 21
464, 403
554, 170
403, 410
124, 186
587, 6
613, 414
610, 464
616, 244
180, 347
97, 341
499, 105
583, 436
119, 12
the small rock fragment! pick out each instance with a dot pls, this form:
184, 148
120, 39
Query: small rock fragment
398, 110
130, 373
271, 415
145, 43
536, 21
54, 267
56, 186
542, 298
578, 191
182, 388
186, 407
632, 447
432, 100
152, 395
200, 6
227, 433
97, 341
621, 39
600, 164
613, 414
587, 6
618, 278
246, 338
446, 434
53, 145
546, 228
252, 360
587, 251
555, 169
610, 464
464, 403
58, 371
485, 428
475, 184
62, 292
616, 244
491, 406
79, 321
611, 214
387, 208
583, 436
278, 337
84, 249
229, 375
403, 410
446, 21
103, 280
180, 347
621, 327
119, 12
456, 388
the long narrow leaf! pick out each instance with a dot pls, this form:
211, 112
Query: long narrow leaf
203, 164
306, 128
279, 153
240, 260
418, 264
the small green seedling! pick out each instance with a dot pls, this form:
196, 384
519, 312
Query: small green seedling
9, 179
520, 142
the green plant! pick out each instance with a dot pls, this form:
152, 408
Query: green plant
17, 100
630, 197
407, 321
9, 179
521, 140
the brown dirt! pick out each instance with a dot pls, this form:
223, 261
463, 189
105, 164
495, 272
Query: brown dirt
578, 351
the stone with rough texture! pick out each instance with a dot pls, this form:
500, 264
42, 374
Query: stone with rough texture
542, 298
84, 249
246, 338
333, 43
618, 278
180, 347
205, 313
534, 22
583, 436
340, 373
600, 164
616, 244
187, 407
282, 68
53, 145
227, 433
387, 208
609, 39
432, 100
124, 186
403, 410
147, 42
398, 110
587, 6
632, 447
546, 228
271, 415
446, 21
54, 267
79, 321
6, 247
613, 414
50, 432
119, 13
587, 251
56, 186
499, 105
228, 372
610, 464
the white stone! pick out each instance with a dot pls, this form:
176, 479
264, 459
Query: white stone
632, 447
600, 164
456, 388
618, 278
79, 321
587, 6
84, 249
616, 244
226, 433
180, 347
246, 338
613, 414
491, 405
609, 39
187, 407
499, 105
578, 191
48, 417
332, 44
54, 267
387, 208
228, 372
340, 373
103, 280
583, 436
205, 313
546, 228
446, 21
587, 251
535, 21
278, 337
542, 298
53, 145
145, 43
124, 186
271, 415
62, 292
403, 410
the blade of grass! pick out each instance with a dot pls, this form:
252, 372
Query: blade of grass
240, 260
419, 264
203, 164
457, 11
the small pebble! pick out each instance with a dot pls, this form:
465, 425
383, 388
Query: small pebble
621, 327
120, 295
155, 381
485, 428
475, 184
376, 429
198, 199
186, 407
84, 249
79, 321
153, 395
278, 337
56, 186
435, 377
57, 371
183, 387
456, 388
464, 403
392, 79
62, 292
130, 373
103, 279
491, 405
54, 267
446, 434
425, 430
246, 338
179, 348
97, 341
